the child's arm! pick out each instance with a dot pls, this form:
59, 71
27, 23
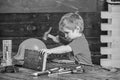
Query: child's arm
46, 35
54, 38
57, 50
61, 49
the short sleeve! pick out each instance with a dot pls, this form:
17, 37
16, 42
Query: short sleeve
81, 50
77, 46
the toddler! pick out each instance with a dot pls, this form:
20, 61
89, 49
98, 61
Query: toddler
72, 25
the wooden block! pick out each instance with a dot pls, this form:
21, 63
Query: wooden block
110, 63
110, 14
105, 50
7, 52
104, 38
35, 60
7, 46
113, 8
105, 27
114, 56
113, 27
113, 53
114, 2
114, 39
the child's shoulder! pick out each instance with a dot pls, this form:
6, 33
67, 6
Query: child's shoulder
82, 37
80, 40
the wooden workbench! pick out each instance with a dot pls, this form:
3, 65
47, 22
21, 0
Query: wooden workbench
94, 74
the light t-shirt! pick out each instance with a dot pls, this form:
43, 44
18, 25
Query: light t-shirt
81, 52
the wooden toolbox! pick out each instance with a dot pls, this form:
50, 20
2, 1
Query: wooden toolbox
35, 60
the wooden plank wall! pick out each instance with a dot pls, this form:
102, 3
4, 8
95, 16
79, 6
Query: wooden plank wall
20, 26
23, 6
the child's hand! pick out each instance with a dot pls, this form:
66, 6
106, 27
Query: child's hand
45, 36
45, 51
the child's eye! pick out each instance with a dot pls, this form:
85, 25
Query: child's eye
66, 32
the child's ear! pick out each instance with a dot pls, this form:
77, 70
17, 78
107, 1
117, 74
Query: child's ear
77, 28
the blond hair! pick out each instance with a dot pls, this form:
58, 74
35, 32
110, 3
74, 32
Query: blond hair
73, 18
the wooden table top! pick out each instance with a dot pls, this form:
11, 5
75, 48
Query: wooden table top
25, 74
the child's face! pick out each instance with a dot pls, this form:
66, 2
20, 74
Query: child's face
70, 34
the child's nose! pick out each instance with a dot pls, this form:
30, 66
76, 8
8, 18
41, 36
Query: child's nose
66, 35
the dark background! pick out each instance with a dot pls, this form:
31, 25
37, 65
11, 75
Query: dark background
23, 19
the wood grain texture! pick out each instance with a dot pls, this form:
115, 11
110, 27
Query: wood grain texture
28, 6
